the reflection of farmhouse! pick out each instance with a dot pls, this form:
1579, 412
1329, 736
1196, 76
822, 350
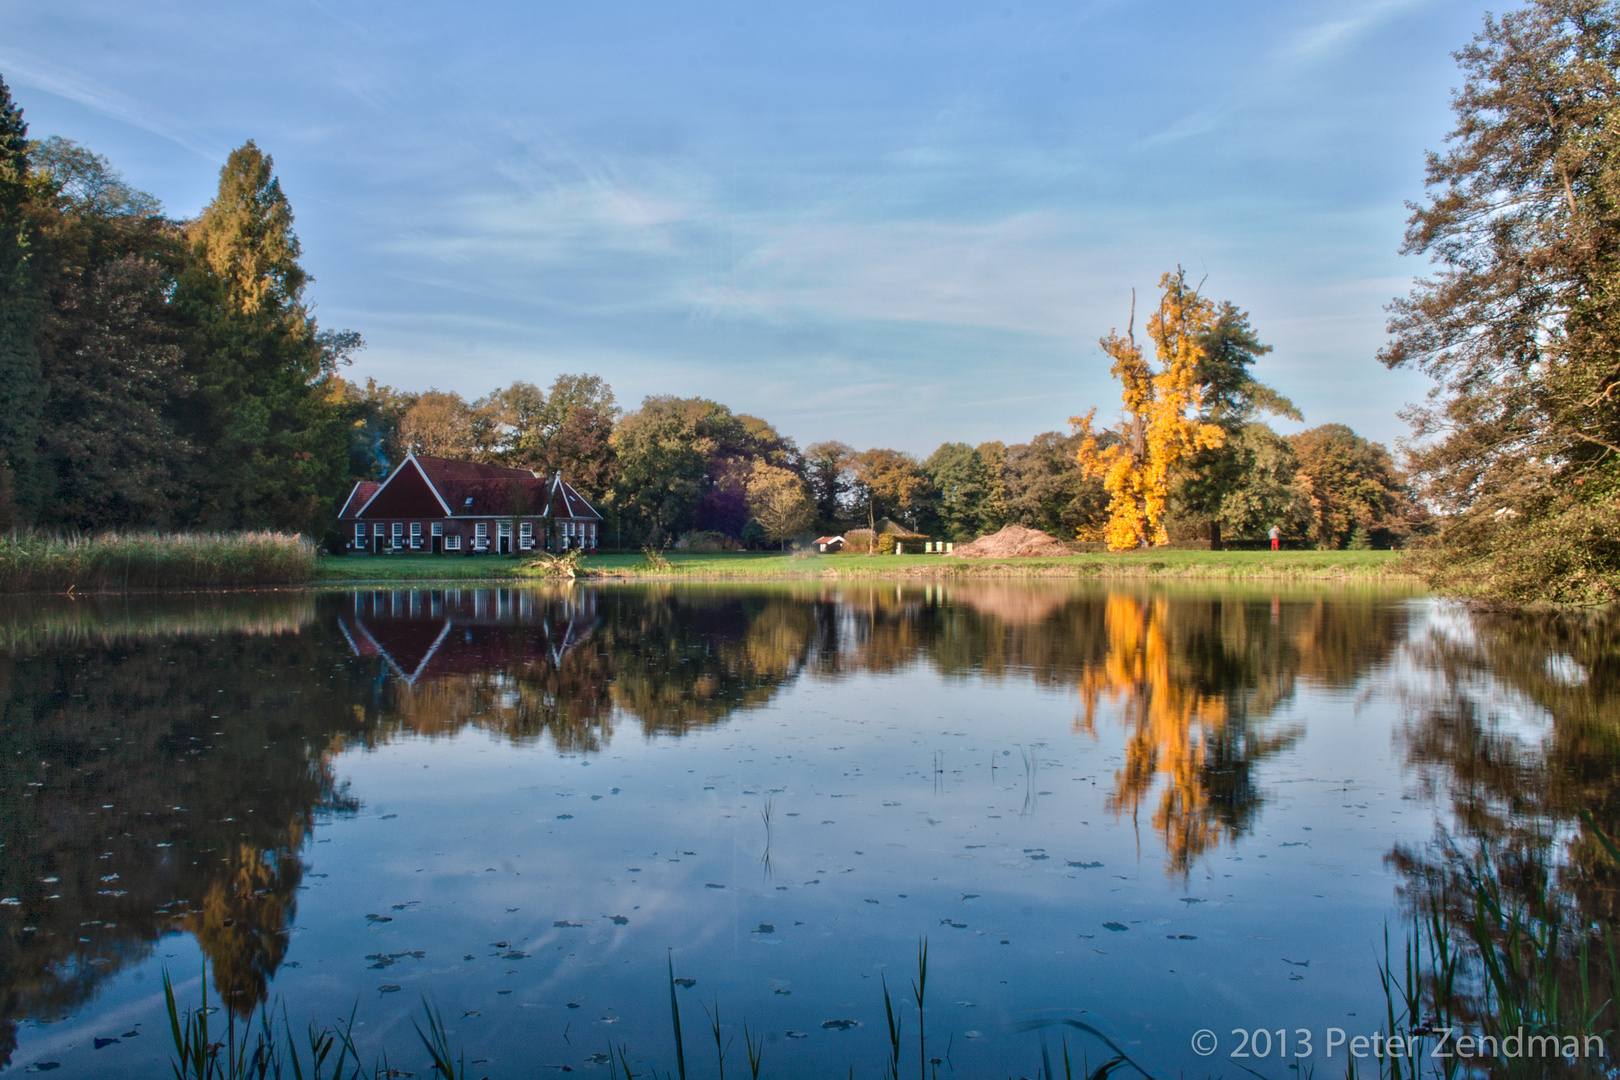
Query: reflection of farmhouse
433, 504
456, 632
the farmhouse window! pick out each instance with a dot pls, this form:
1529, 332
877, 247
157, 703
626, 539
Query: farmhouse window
452, 543
416, 529
399, 528
360, 534
377, 530
526, 528
438, 528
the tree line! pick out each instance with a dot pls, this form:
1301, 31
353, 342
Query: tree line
168, 373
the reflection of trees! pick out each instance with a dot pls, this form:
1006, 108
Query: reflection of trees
1192, 674
1190, 681
212, 727
151, 783
1514, 720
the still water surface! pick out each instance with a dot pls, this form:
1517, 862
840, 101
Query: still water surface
1175, 808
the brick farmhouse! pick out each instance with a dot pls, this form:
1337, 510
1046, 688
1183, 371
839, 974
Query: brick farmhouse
443, 506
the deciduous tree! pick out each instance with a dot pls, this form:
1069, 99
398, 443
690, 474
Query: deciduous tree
1159, 428
778, 500
828, 469
890, 478
1230, 398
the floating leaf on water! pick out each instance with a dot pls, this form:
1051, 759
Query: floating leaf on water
565, 817
618, 920
765, 928
797, 1034
840, 1025
105, 1042
1084, 865
1116, 926
712, 885
599, 1059
373, 917
499, 945
387, 988
784, 993
565, 922
686, 984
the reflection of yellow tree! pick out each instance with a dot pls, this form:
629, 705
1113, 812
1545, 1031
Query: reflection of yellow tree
241, 923
1189, 743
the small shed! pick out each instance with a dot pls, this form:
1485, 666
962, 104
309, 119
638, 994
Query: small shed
829, 544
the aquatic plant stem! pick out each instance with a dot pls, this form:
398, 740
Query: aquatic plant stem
919, 988
675, 1019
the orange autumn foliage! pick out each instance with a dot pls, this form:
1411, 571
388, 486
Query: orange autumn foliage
1160, 426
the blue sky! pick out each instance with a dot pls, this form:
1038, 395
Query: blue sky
893, 224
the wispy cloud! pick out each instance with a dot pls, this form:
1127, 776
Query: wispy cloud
1307, 46
1321, 40
25, 70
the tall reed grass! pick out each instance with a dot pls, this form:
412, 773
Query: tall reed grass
121, 562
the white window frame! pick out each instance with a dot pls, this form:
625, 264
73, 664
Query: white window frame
480, 535
452, 542
438, 528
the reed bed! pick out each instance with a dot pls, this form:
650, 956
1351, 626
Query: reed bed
124, 562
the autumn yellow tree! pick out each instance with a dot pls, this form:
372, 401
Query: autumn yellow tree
1160, 425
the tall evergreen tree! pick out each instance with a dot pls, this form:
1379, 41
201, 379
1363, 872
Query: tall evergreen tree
21, 307
1519, 445
268, 406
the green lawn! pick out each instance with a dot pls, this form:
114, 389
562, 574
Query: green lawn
766, 566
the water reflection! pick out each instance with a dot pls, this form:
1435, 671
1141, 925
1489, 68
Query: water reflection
160, 769
1513, 720
163, 764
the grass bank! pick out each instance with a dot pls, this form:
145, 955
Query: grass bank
1336, 566
121, 562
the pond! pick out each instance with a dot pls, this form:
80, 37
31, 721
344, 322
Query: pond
1148, 810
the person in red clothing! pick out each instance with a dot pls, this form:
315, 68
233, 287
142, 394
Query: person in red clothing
1275, 534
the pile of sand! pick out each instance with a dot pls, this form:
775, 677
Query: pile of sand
1013, 542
